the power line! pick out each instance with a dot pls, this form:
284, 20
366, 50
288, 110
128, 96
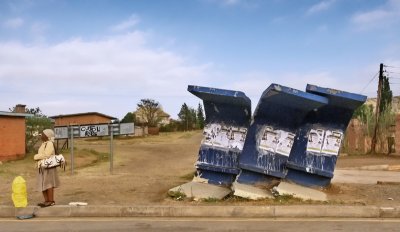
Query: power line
390, 66
369, 82
392, 72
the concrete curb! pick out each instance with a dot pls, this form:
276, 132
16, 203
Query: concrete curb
293, 211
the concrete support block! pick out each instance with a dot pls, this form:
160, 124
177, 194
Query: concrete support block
250, 191
300, 192
199, 191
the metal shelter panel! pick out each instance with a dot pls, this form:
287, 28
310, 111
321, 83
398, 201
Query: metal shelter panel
314, 154
269, 140
228, 115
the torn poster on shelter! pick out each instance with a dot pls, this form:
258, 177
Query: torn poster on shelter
324, 141
276, 141
315, 140
332, 142
223, 136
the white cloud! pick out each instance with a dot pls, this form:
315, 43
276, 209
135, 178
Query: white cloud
14, 23
109, 75
385, 15
321, 6
127, 24
372, 16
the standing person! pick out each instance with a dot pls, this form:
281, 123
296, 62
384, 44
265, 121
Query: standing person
47, 179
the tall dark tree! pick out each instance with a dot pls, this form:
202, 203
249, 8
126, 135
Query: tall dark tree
184, 116
192, 119
383, 106
200, 117
386, 96
147, 109
129, 117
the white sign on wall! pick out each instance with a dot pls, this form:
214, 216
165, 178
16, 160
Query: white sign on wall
93, 130
61, 132
126, 128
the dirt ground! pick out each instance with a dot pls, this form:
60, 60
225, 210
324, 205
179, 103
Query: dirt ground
144, 169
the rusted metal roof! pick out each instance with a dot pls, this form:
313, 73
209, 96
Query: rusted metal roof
79, 114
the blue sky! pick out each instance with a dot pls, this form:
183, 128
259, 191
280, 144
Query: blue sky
81, 56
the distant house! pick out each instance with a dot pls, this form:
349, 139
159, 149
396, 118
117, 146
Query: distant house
81, 119
12, 130
163, 117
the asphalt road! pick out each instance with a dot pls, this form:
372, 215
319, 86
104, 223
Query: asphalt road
198, 224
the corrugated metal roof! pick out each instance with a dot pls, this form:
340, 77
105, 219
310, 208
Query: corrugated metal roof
12, 114
78, 114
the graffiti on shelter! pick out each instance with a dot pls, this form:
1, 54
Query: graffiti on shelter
93, 130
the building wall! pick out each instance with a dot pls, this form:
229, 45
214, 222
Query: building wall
141, 131
12, 142
81, 120
356, 142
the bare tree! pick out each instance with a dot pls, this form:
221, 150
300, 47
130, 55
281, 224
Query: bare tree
148, 110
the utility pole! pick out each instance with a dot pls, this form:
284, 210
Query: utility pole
377, 110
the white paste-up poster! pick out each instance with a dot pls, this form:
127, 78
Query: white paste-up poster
210, 134
238, 136
222, 136
315, 140
277, 141
269, 139
285, 143
332, 142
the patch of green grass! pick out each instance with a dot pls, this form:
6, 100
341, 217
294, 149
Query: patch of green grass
234, 199
211, 200
177, 195
287, 199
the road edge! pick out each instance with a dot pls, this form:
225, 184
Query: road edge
293, 211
